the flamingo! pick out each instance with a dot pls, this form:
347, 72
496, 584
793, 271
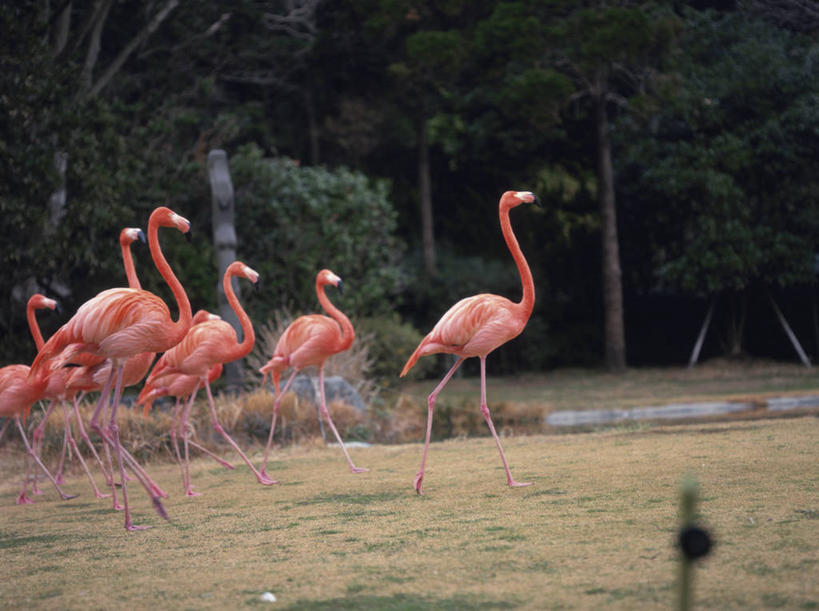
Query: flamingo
207, 344
18, 390
476, 325
118, 324
56, 391
162, 383
311, 340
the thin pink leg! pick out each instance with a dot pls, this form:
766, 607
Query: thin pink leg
326, 413
485, 410
73, 444
113, 429
263, 479
87, 440
66, 451
430, 407
185, 432
273, 422
174, 418
36, 458
218, 459
5, 426
101, 410
37, 443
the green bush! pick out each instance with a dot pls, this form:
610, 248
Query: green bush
389, 343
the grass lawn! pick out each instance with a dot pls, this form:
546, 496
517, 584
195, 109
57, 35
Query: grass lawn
581, 389
595, 530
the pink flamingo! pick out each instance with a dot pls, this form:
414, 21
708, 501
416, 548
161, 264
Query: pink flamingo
162, 383
207, 344
311, 340
57, 392
476, 325
118, 324
18, 390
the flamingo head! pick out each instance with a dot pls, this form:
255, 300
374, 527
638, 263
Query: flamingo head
237, 268
165, 217
130, 235
38, 302
326, 277
510, 199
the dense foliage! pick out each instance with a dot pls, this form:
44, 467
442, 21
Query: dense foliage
334, 114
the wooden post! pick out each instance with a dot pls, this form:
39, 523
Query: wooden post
224, 243
695, 353
789, 332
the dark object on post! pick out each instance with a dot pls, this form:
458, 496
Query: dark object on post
695, 542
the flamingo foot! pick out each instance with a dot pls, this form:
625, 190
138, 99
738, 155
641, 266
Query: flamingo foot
59, 478
266, 480
514, 484
24, 499
118, 507
418, 479
192, 493
68, 497
100, 495
135, 527
358, 470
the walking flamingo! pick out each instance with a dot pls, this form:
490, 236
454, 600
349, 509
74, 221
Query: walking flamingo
18, 390
118, 324
311, 340
476, 325
57, 392
162, 383
210, 343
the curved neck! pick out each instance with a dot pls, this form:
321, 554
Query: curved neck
248, 336
347, 331
180, 327
128, 263
527, 302
35, 328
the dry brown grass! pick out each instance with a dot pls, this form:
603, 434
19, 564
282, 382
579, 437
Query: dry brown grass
595, 530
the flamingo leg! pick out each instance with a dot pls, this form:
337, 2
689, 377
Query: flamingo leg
175, 415
101, 411
185, 432
113, 430
65, 451
37, 441
485, 411
273, 422
87, 440
5, 426
430, 407
263, 479
73, 444
326, 413
36, 459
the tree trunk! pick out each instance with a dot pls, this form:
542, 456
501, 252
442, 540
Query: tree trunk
615, 340
425, 196
224, 243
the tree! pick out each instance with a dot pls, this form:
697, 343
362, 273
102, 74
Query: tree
721, 182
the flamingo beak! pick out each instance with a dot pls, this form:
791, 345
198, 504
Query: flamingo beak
536, 201
141, 236
340, 286
57, 307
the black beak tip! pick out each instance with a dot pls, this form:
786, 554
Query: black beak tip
340, 287
537, 202
189, 235
57, 307
141, 236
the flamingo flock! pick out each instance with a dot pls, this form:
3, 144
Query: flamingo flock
113, 339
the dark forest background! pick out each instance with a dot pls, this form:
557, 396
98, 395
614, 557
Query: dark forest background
674, 145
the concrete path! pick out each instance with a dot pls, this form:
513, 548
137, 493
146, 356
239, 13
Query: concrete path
676, 411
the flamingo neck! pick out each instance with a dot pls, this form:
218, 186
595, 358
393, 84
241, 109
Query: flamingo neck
35, 328
130, 270
248, 336
347, 331
527, 302
181, 326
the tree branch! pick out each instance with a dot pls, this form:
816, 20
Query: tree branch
141, 37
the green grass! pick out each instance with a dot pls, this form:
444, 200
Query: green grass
595, 530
